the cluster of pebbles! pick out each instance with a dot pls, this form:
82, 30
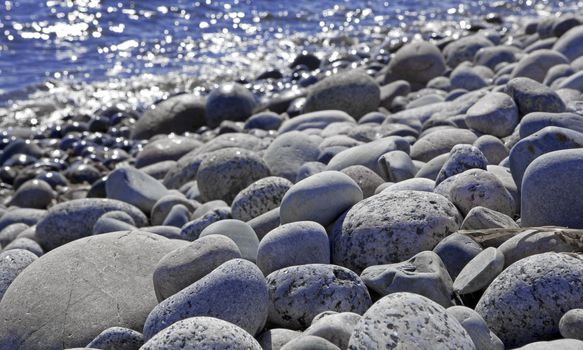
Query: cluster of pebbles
429, 202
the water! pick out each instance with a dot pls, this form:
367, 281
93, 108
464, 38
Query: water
58, 54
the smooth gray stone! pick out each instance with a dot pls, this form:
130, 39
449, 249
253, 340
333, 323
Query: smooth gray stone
532, 96
392, 90
164, 231
338, 140
188, 264
288, 152
571, 324
368, 154
316, 288
308, 169
396, 166
474, 324
574, 82
557, 72
477, 188
492, 148
526, 301
82, 288
461, 158
68, 221
260, 197
353, 92
185, 169
423, 274
532, 242
164, 205
391, 227
202, 333
118, 338
563, 344
494, 55
417, 63
229, 101
534, 122
440, 83
230, 140
26, 216
505, 176
264, 121
480, 271
321, 198
465, 77
551, 190
34, 193
12, 263
207, 207
431, 169
407, 320
240, 232
494, 114
309, 342
226, 172
264, 223
106, 225
436, 143
177, 114
315, 120
164, 149
10, 232
276, 338
564, 23
178, 216
135, 187
159, 170
365, 178
119, 215
548, 139
571, 44
535, 65
480, 218
456, 250
334, 327
415, 184
192, 230
296, 243
465, 49
26, 244
235, 292
425, 100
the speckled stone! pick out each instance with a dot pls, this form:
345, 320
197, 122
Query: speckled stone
226, 172
353, 92
260, 197
298, 293
191, 230
118, 338
480, 218
296, 243
309, 342
165, 204
321, 198
188, 264
235, 292
423, 274
407, 320
202, 333
74, 219
461, 158
526, 301
12, 263
563, 344
366, 179
477, 187
391, 227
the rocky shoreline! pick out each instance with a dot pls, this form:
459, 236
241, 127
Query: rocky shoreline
425, 198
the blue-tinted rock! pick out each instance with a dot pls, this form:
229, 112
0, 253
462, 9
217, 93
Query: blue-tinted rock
238, 231
461, 158
494, 114
536, 65
288, 152
229, 101
117, 338
532, 96
135, 187
571, 43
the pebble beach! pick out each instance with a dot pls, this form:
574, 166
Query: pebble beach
405, 187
